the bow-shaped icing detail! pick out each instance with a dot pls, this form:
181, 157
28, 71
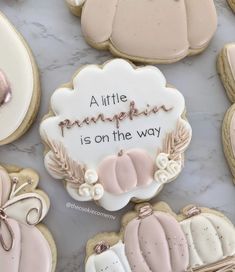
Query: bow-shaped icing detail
3, 220
27, 208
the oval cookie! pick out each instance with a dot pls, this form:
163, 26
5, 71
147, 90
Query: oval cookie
157, 31
116, 133
19, 84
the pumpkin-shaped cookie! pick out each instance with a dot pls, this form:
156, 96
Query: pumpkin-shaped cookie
155, 242
25, 245
108, 259
157, 31
19, 84
211, 241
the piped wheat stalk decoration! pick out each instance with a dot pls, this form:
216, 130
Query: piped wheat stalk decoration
176, 142
62, 165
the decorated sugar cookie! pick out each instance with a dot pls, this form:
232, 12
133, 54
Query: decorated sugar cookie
25, 244
226, 69
173, 30
116, 133
154, 239
19, 84
231, 4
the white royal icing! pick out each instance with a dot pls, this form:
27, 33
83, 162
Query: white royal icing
210, 237
162, 161
112, 260
167, 169
145, 86
15, 62
91, 176
116, 202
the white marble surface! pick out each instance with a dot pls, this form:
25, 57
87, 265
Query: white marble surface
56, 40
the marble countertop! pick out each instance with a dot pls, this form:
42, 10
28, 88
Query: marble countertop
56, 40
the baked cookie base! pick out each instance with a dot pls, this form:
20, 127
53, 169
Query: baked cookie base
225, 74
116, 52
226, 138
231, 4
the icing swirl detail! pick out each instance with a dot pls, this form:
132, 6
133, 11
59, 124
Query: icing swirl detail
191, 211
145, 211
101, 247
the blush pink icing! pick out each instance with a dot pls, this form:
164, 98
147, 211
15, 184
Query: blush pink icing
31, 251
156, 243
157, 29
126, 171
231, 58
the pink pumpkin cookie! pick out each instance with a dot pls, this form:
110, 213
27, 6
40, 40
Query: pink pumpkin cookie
25, 244
19, 84
116, 133
226, 69
157, 31
154, 239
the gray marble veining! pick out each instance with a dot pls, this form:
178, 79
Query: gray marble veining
56, 40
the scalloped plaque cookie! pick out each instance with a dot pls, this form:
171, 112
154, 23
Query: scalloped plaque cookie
25, 244
116, 133
173, 30
226, 69
154, 239
19, 84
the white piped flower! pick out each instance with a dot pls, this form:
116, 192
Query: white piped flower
161, 176
91, 176
85, 190
97, 192
173, 168
162, 161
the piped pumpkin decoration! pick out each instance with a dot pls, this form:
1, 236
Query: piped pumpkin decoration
108, 259
126, 171
155, 242
211, 241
